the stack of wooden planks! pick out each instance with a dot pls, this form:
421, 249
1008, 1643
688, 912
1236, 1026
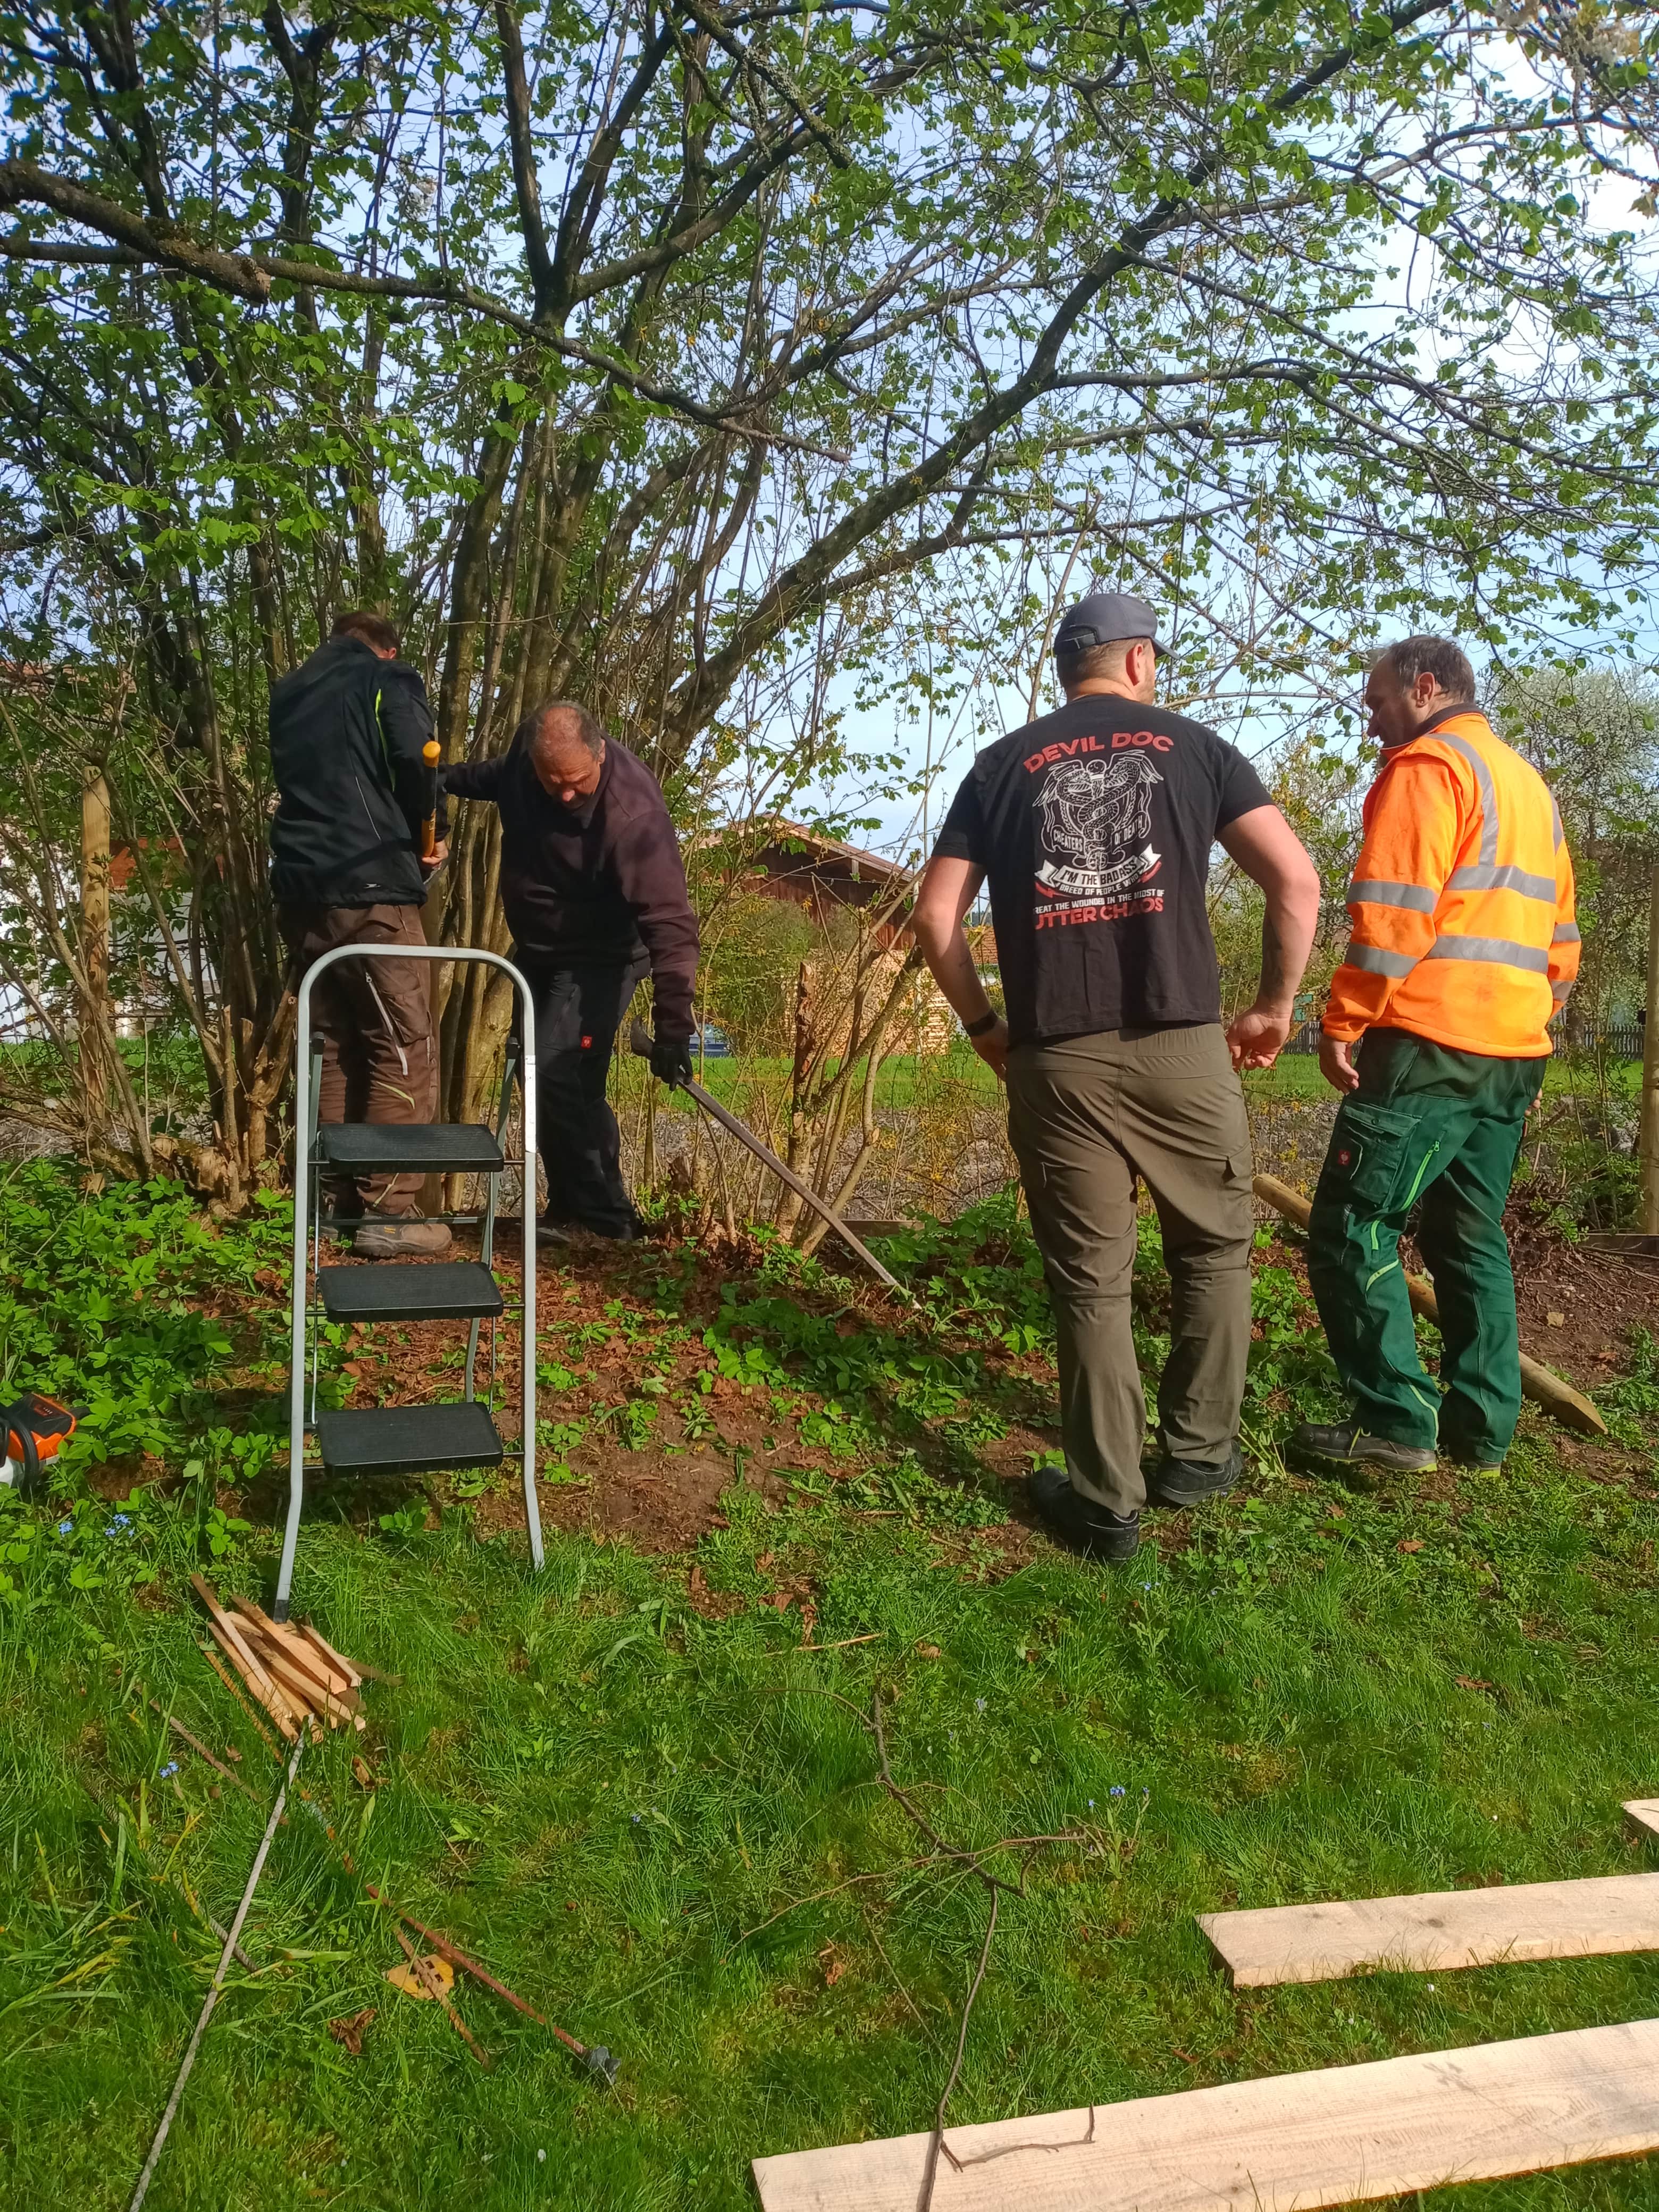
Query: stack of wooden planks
288, 1669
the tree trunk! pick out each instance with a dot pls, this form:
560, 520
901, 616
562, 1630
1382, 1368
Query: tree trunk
1650, 1136
95, 1011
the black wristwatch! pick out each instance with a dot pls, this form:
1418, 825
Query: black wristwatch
983, 1026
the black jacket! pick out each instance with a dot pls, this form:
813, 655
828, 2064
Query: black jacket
592, 885
347, 729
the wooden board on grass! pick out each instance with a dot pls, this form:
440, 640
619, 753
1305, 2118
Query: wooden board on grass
1436, 1932
1287, 2143
1643, 1813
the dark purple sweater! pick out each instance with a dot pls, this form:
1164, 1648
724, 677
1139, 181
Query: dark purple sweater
592, 885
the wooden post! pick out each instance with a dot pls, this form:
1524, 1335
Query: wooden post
94, 948
1648, 1140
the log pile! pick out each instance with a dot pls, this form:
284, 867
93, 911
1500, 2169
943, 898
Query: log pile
288, 1668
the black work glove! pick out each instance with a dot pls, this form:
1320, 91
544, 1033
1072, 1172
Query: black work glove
671, 1060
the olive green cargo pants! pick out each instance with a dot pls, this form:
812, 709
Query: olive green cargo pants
1443, 1128
1086, 1118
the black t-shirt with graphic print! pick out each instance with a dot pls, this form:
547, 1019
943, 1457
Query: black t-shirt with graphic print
1093, 827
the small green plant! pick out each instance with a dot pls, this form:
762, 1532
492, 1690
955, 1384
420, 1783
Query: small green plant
221, 1532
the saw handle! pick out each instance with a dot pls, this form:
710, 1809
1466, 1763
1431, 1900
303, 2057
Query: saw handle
431, 754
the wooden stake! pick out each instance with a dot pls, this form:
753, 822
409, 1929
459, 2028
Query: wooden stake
256, 1679
353, 1673
1539, 1383
300, 1655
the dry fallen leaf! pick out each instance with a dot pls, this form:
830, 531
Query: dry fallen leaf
1409, 1543
405, 1978
834, 1968
1470, 1682
1556, 1320
364, 1775
349, 2031
927, 1651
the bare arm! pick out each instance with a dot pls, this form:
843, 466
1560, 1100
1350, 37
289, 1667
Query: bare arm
946, 892
1268, 850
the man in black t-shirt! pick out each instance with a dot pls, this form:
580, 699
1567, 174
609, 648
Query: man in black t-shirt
1093, 828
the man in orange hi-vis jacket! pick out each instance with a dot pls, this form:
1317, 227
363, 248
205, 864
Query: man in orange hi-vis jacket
1464, 944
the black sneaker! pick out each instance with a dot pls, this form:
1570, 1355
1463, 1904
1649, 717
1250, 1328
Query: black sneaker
1079, 1522
1349, 1445
1173, 1481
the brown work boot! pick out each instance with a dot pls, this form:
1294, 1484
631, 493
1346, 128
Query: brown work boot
401, 1237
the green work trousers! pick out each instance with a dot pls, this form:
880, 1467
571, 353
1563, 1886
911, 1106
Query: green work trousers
1086, 1117
1427, 1124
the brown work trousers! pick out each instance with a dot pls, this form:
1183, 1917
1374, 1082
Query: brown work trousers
1086, 1117
380, 1055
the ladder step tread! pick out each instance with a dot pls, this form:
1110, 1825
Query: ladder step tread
439, 1289
406, 1439
429, 1147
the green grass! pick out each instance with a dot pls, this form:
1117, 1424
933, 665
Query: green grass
630, 1809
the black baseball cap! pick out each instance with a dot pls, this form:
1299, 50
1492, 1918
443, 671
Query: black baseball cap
1106, 618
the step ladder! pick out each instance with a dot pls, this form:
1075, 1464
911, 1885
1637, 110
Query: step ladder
388, 1440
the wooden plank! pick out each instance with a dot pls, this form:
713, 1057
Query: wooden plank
1643, 1813
1437, 1932
1288, 2144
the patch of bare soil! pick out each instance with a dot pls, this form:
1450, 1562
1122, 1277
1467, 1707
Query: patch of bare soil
650, 1471
1578, 1307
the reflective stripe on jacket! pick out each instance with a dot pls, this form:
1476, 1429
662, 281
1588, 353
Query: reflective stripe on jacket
1461, 900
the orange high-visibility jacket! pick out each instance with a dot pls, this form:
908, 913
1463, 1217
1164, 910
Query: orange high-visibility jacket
1461, 900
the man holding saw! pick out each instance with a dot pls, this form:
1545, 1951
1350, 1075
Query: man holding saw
1464, 945
1093, 828
358, 830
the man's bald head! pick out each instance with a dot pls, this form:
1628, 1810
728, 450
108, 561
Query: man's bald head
566, 748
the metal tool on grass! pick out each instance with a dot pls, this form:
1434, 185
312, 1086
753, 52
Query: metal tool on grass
641, 1040
218, 1982
597, 2058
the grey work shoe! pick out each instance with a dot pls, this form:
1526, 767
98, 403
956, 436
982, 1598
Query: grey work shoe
401, 1237
1467, 1462
1349, 1445
1178, 1482
1079, 1522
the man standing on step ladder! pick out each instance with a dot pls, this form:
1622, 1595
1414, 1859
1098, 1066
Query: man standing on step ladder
594, 891
1464, 945
348, 727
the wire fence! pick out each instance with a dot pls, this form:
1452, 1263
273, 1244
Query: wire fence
1615, 1041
